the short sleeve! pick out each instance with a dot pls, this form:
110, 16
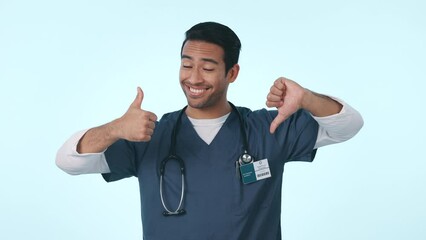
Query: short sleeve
304, 132
297, 137
293, 140
121, 160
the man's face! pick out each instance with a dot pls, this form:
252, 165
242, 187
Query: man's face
202, 75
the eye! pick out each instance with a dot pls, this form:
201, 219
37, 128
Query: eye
186, 66
208, 69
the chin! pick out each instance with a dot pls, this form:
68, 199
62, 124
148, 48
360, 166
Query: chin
197, 104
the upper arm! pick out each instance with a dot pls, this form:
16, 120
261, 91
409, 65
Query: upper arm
338, 127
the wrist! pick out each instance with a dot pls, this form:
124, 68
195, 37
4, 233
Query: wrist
320, 105
113, 130
307, 98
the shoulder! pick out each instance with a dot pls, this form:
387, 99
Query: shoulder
258, 120
265, 116
171, 116
247, 114
166, 123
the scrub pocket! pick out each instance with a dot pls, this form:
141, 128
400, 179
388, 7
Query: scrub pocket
254, 195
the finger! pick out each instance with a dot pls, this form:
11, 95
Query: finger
151, 116
151, 125
276, 91
274, 98
149, 132
281, 117
280, 83
148, 122
275, 104
137, 103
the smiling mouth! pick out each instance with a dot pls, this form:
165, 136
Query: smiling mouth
196, 92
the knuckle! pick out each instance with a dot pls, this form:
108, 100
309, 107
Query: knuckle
277, 81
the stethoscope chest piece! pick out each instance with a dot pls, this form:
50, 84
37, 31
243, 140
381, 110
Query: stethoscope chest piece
245, 159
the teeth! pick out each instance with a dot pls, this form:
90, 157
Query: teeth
197, 91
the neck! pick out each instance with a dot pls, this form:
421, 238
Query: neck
208, 112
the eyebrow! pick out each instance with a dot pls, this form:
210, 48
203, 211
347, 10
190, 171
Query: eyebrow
203, 59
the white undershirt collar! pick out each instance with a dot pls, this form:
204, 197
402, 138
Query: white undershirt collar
207, 129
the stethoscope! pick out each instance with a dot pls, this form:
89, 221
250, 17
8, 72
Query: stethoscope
245, 158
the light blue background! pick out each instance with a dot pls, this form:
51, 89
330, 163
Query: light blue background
70, 65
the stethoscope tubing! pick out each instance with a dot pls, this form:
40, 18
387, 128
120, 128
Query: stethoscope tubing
179, 209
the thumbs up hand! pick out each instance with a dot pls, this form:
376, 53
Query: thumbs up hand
136, 124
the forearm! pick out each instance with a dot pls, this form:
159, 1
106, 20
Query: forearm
84, 151
70, 161
98, 139
320, 105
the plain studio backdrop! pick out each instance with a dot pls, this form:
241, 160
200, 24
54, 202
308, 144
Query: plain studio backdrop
71, 65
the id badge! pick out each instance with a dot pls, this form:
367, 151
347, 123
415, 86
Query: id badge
255, 171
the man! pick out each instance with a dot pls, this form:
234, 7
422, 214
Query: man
211, 170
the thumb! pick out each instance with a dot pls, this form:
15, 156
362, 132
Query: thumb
137, 103
276, 122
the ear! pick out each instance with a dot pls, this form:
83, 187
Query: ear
233, 73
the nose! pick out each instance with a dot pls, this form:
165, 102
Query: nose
195, 76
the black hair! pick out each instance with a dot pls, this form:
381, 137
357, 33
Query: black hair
218, 34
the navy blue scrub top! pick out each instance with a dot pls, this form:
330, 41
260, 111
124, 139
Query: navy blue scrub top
218, 205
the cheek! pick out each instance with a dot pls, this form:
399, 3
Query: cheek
182, 75
211, 76
217, 79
